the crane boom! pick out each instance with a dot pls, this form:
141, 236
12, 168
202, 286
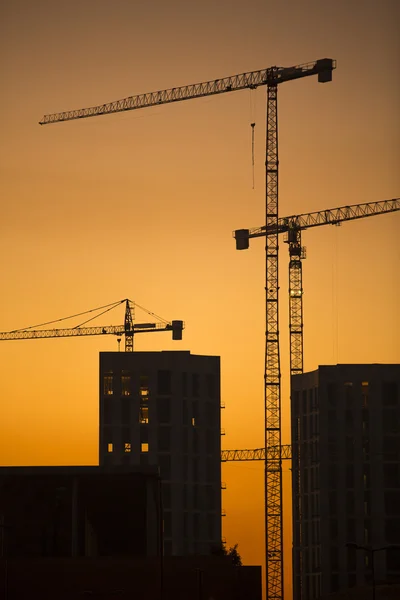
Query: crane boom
252, 79
256, 454
82, 331
332, 216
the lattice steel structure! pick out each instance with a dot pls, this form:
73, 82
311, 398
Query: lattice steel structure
292, 226
285, 453
271, 77
129, 329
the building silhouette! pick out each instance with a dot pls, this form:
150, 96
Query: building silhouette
346, 478
163, 409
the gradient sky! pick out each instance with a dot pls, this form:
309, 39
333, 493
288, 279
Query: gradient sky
143, 205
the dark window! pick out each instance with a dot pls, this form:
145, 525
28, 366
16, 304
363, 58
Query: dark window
351, 529
210, 469
144, 435
107, 410
391, 475
390, 393
351, 558
195, 469
126, 381
333, 526
125, 410
184, 412
348, 393
352, 580
304, 402
108, 384
210, 525
334, 558
164, 410
195, 441
211, 409
334, 582
349, 476
349, 419
392, 530
390, 418
195, 385
332, 503
349, 503
164, 462
167, 523
166, 495
392, 503
210, 497
391, 448
185, 440
331, 393
168, 547
349, 448
164, 439
332, 477
210, 383
164, 383
211, 441
393, 559
184, 384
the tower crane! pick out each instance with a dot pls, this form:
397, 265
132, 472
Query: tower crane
272, 77
292, 227
129, 329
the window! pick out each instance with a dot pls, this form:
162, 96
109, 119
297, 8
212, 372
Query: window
125, 410
193, 421
351, 529
167, 523
210, 383
164, 462
349, 476
195, 441
348, 393
164, 439
184, 384
164, 383
391, 475
195, 469
128, 447
210, 525
125, 384
143, 414
364, 393
195, 385
110, 447
144, 447
166, 495
164, 410
331, 393
144, 386
352, 580
392, 503
391, 448
390, 393
108, 384
107, 410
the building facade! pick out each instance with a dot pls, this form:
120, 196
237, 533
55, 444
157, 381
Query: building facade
163, 408
64, 512
345, 478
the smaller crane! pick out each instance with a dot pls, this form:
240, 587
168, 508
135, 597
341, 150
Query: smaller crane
128, 329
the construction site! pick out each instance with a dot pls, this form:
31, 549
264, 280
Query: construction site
309, 381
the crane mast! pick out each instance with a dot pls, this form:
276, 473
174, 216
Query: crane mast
271, 77
292, 226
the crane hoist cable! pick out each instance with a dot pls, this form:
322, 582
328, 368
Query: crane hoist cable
252, 149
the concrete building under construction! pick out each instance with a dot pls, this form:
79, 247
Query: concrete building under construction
346, 478
163, 409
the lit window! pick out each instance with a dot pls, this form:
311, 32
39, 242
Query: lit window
193, 421
110, 447
144, 447
144, 386
144, 414
108, 384
128, 447
125, 384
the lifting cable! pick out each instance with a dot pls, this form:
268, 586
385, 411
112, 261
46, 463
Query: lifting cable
252, 149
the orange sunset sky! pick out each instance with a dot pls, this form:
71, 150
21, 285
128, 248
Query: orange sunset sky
143, 205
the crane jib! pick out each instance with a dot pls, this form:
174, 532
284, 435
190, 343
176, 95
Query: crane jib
250, 80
